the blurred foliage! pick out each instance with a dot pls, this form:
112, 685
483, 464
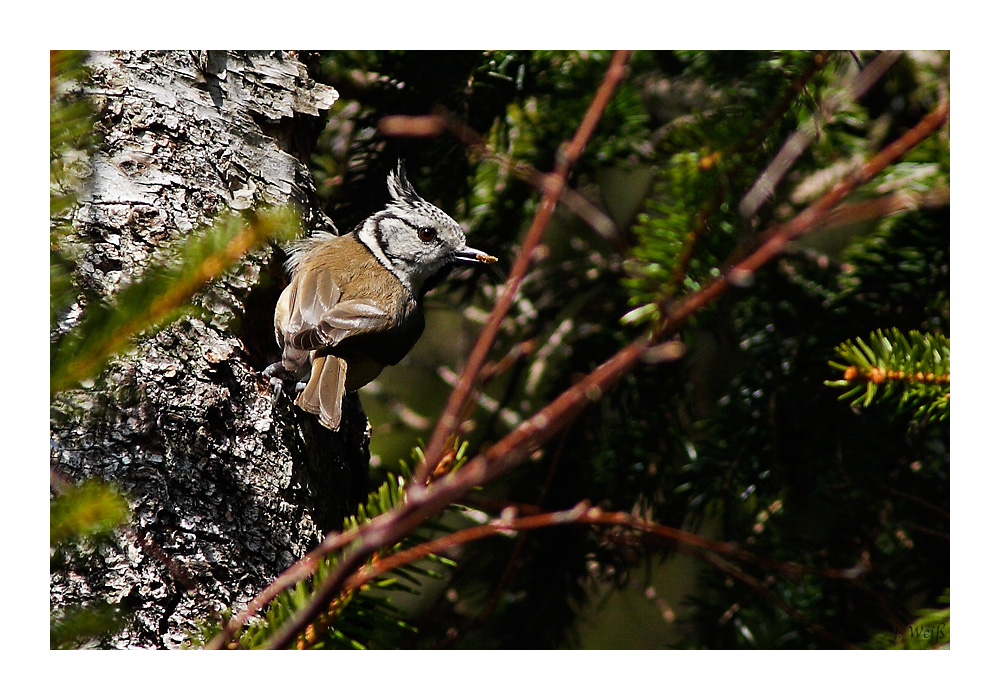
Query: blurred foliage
81, 517
71, 129
71, 139
78, 627
740, 438
87, 510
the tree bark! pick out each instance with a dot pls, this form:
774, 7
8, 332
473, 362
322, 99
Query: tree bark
227, 484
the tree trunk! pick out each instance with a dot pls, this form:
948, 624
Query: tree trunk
227, 484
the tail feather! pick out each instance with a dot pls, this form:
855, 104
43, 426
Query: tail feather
324, 394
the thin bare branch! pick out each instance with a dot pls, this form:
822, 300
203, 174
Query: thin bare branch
764, 591
797, 142
448, 423
848, 213
584, 514
711, 551
428, 125
298, 571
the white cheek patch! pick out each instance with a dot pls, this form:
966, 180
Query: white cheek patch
395, 233
368, 236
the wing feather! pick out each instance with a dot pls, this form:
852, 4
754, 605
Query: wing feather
320, 318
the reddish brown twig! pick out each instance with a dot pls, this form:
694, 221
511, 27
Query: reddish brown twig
851, 213
584, 514
301, 569
711, 551
797, 142
555, 185
427, 125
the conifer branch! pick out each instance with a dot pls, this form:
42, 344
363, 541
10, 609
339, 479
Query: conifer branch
87, 509
71, 128
914, 368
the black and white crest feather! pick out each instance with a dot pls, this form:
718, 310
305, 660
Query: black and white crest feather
400, 187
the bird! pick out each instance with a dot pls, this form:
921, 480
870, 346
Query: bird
353, 302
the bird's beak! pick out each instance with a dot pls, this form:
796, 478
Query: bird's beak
471, 255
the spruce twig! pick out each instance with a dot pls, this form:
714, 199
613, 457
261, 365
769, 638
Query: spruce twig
912, 368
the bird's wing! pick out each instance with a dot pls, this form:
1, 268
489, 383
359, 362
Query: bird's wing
319, 317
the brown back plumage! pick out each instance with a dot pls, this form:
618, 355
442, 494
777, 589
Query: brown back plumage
342, 301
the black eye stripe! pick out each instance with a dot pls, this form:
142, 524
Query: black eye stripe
426, 234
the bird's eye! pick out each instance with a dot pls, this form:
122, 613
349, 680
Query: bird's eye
427, 234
